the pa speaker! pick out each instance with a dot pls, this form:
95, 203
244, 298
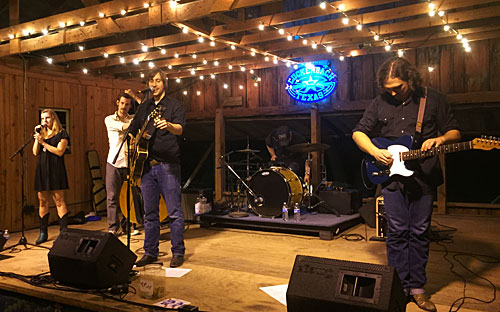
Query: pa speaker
319, 284
90, 259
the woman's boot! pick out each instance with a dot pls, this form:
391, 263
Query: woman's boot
63, 222
44, 232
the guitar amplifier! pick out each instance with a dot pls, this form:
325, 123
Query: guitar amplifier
380, 218
346, 202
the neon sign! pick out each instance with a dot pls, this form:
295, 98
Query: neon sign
311, 83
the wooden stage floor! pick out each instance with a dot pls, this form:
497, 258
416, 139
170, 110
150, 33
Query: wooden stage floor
230, 265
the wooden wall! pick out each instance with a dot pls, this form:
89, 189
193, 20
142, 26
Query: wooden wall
466, 77
89, 100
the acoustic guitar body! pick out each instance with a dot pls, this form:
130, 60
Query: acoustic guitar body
137, 204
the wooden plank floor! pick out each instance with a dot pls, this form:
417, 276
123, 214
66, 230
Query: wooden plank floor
229, 265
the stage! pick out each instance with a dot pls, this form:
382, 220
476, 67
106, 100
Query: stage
326, 226
228, 266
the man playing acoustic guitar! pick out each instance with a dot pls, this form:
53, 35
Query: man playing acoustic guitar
408, 200
161, 172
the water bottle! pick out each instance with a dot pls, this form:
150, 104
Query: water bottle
284, 212
199, 206
296, 212
6, 235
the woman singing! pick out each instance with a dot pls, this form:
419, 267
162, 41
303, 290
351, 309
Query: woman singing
51, 141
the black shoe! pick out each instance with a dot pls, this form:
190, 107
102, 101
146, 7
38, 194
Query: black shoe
146, 259
176, 261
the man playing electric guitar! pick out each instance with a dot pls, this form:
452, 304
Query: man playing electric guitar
408, 200
162, 170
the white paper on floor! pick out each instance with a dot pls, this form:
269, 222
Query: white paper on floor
175, 272
172, 303
278, 292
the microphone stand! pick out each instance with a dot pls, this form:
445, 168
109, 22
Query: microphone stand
23, 241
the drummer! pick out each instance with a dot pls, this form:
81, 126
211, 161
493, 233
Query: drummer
277, 143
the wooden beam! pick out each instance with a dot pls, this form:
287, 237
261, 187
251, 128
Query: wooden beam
180, 12
315, 138
220, 150
14, 12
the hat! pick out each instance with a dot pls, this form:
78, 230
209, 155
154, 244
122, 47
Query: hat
283, 135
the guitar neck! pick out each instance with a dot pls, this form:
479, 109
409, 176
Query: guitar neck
443, 149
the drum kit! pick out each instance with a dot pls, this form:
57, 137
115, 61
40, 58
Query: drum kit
271, 186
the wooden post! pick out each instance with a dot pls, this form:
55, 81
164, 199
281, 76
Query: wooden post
220, 148
315, 138
13, 12
441, 191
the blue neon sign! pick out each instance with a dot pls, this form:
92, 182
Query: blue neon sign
311, 83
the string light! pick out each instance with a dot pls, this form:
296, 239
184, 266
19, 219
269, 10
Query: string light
430, 69
202, 77
123, 12
289, 38
185, 30
216, 63
401, 53
101, 15
49, 60
151, 64
241, 87
142, 75
85, 71
82, 23
198, 93
106, 55
212, 76
225, 86
184, 92
163, 51
359, 27
136, 61
146, 5
201, 39
11, 36
169, 66
62, 24
341, 58
233, 47
122, 59
261, 26
345, 21
80, 47
178, 80
193, 71
144, 48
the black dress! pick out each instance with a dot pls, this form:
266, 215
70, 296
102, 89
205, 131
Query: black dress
50, 169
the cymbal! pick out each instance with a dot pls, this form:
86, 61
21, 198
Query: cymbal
308, 147
247, 150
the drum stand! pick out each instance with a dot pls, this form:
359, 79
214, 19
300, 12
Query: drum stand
258, 200
309, 194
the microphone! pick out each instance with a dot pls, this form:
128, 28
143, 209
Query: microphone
148, 89
38, 128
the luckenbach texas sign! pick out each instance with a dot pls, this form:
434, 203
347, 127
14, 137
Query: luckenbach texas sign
311, 83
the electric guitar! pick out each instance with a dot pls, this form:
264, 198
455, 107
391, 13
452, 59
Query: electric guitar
141, 143
401, 152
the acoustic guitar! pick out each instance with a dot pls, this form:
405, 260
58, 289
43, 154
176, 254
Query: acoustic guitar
139, 148
141, 142
401, 152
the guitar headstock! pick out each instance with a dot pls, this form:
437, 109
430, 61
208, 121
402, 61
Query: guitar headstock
486, 143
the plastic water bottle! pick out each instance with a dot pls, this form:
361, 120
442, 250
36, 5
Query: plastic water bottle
6, 234
296, 212
284, 212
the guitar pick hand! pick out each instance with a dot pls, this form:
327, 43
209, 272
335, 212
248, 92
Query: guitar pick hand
161, 123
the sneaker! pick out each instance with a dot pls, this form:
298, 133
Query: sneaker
135, 232
176, 261
146, 259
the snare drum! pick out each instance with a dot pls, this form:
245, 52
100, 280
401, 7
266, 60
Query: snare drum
276, 185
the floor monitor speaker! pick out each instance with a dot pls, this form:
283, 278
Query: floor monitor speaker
320, 284
90, 259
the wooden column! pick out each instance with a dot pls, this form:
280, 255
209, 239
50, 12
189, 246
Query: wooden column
441, 191
13, 12
220, 149
315, 138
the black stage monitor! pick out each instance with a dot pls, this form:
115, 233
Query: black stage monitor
320, 284
90, 259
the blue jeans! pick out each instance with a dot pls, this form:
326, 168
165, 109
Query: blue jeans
408, 220
162, 179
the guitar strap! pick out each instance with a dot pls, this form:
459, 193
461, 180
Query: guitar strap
420, 118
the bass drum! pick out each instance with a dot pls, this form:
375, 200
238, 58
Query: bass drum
137, 204
276, 185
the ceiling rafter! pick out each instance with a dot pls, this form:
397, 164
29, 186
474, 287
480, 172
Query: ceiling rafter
156, 15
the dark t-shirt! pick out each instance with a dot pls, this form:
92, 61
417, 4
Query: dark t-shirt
389, 119
50, 174
163, 145
283, 154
